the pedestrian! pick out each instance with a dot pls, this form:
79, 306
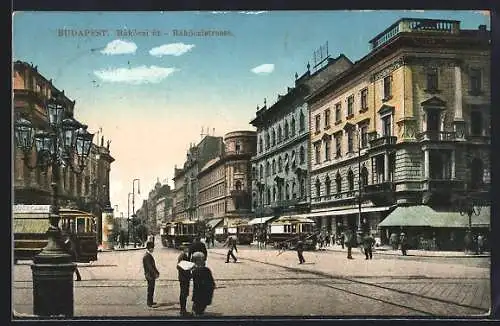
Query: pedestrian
368, 243
184, 276
300, 250
393, 241
203, 284
150, 272
475, 244
342, 239
349, 237
197, 246
403, 240
70, 248
480, 243
231, 246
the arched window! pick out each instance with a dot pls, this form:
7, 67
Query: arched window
328, 185
350, 180
286, 130
273, 137
292, 127
260, 145
274, 167
318, 188
302, 155
302, 121
280, 135
268, 141
293, 160
287, 163
364, 176
476, 173
274, 194
268, 196
294, 189
261, 171
237, 185
268, 169
287, 191
280, 164
302, 188
338, 182
254, 173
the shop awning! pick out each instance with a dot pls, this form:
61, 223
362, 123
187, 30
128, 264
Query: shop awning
260, 220
349, 211
213, 223
426, 216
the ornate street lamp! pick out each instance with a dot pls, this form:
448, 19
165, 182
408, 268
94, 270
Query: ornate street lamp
64, 142
467, 206
133, 199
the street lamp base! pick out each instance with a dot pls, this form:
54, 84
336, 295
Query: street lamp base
53, 271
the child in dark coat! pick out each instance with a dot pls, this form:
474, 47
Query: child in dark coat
203, 284
184, 279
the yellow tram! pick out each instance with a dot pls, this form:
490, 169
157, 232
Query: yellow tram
285, 232
179, 233
30, 225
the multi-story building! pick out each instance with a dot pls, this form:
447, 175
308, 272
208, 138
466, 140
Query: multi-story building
280, 168
225, 181
154, 209
88, 190
407, 125
186, 178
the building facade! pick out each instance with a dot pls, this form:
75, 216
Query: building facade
186, 179
407, 125
280, 168
225, 181
155, 209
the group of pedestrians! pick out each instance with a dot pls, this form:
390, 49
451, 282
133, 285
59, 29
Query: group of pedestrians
191, 265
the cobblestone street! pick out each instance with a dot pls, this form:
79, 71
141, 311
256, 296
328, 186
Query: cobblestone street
266, 282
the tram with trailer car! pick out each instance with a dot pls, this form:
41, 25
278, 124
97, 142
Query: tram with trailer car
30, 225
285, 232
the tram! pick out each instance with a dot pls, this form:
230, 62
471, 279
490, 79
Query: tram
244, 233
236, 228
30, 225
178, 234
284, 232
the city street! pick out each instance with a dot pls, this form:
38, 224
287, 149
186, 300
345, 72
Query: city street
265, 283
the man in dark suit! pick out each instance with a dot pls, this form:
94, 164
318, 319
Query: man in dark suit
150, 272
197, 246
184, 279
231, 245
300, 250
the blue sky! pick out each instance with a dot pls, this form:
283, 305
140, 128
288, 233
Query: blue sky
153, 103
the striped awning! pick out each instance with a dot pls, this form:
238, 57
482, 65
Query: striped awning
213, 223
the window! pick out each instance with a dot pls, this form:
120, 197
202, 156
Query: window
286, 130
302, 122
476, 123
302, 155
338, 146
317, 119
280, 136
387, 87
476, 173
274, 193
302, 188
350, 180
350, 140
287, 163
350, 106
386, 126
268, 169
338, 182
292, 127
433, 117
338, 108
364, 135
318, 188
475, 81
268, 141
238, 185
287, 191
317, 153
274, 167
238, 147
280, 164
260, 145
327, 118
261, 171
327, 148
432, 79
328, 185
364, 99
273, 137
364, 176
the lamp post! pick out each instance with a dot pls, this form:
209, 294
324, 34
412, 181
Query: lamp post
128, 218
360, 230
133, 199
64, 142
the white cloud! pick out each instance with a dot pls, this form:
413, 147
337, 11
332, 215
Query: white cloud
220, 12
252, 12
265, 68
119, 47
137, 75
176, 49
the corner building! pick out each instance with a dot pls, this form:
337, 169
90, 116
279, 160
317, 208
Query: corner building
280, 169
406, 131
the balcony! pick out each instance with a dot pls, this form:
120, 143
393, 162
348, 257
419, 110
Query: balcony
443, 185
436, 136
380, 193
383, 141
285, 203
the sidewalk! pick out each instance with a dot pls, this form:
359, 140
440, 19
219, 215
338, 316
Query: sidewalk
386, 250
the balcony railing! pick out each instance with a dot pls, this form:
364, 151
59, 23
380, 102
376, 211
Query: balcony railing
383, 141
436, 136
383, 187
